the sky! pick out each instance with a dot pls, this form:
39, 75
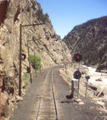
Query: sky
66, 14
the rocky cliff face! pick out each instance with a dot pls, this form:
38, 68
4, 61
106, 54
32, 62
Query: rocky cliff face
89, 39
41, 38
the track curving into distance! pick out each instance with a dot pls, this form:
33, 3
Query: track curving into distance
45, 107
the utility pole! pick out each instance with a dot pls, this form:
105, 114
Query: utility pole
20, 68
29, 62
34, 60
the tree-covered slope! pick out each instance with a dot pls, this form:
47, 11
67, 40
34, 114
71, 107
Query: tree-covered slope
89, 39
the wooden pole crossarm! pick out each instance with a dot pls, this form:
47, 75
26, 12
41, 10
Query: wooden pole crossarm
32, 24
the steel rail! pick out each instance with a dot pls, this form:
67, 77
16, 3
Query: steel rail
57, 115
41, 98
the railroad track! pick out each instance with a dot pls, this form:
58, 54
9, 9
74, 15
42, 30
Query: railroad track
45, 107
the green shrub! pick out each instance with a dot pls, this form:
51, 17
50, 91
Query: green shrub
26, 78
35, 61
63, 69
69, 79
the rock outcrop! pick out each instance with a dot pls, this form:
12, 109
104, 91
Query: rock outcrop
42, 39
89, 39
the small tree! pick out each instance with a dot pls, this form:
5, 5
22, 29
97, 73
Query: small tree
35, 61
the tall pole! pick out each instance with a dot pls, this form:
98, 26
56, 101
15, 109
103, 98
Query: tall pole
20, 60
86, 88
78, 81
78, 88
29, 63
31, 16
34, 61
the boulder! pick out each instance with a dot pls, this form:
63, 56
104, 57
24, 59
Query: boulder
99, 80
93, 87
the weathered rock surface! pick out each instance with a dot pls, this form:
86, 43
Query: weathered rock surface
45, 42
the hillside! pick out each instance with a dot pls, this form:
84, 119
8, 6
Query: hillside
42, 39
89, 39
